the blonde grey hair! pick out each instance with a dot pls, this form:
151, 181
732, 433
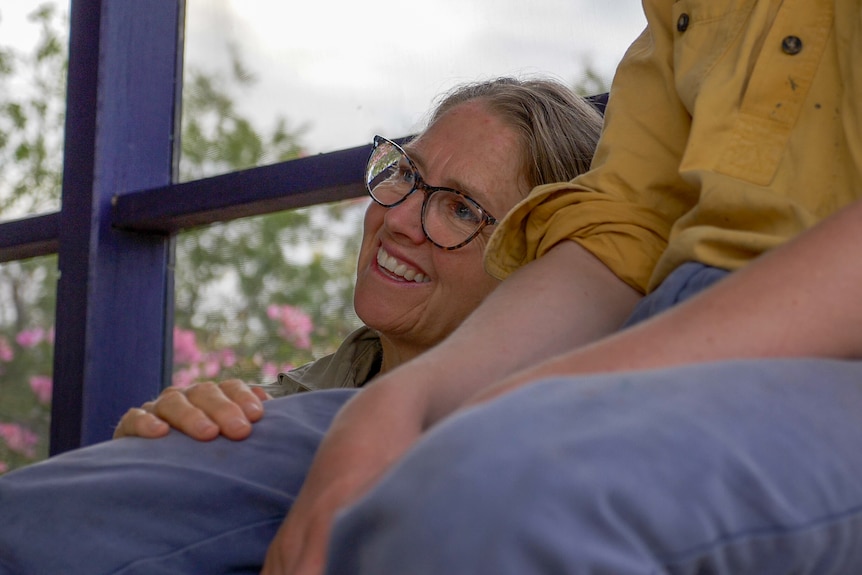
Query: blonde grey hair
558, 129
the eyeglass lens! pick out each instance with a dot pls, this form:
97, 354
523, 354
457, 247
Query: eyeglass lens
449, 217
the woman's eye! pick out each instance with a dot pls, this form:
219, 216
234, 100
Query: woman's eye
462, 210
405, 175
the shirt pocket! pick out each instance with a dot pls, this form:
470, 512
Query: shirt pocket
703, 32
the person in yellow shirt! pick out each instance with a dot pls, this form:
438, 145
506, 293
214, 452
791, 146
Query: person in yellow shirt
719, 431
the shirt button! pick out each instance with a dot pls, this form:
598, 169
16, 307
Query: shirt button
791, 45
682, 22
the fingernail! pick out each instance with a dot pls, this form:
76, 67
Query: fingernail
157, 425
205, 426
235, 425
254, 408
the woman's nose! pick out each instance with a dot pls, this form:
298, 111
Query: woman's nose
405, 219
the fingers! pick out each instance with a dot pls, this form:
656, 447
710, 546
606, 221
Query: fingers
249, 399
201, 411
260, 393
185, 410
139, 422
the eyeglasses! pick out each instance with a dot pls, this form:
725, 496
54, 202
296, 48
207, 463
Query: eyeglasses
450, 219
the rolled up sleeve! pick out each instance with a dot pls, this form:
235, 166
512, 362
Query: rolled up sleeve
622, 210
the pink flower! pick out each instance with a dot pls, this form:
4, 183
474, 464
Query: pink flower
19, 439
296, 325
4, 467
185, 377
6, 352
42, 386
185, 346
211, 367
227, 357
270, 370
30, 337
273, 311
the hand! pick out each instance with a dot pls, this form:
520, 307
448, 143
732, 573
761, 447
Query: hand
201, 411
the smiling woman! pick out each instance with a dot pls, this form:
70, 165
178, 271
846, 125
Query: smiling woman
468, 148
419, 271
150, 502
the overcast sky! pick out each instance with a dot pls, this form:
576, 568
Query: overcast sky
349, 69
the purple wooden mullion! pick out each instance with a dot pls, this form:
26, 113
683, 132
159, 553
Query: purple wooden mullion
114, 297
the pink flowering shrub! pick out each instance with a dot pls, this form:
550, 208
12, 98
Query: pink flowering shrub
31, 337
6, 353
284, 344
19, 439
296, 326
26, 385
186, 346
42, 386
26, 388
270, 370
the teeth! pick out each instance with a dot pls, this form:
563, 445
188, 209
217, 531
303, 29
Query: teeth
389, 263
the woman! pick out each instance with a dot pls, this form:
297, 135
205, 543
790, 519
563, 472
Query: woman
411, 291
181, 506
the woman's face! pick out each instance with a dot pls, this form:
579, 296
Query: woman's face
472, 151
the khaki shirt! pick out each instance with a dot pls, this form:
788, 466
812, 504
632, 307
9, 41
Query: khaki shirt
732, 125
354, 363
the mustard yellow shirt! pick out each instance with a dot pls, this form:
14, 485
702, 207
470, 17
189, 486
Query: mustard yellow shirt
732, 125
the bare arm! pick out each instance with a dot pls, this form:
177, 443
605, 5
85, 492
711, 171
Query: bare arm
800, 300
563, 300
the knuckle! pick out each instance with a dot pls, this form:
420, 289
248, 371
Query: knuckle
233, 386
129, 422
168, 392
231, 383
202, 389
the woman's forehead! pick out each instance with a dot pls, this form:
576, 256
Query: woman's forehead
481, 167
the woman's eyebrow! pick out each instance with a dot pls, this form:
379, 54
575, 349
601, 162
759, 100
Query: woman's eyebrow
452, 183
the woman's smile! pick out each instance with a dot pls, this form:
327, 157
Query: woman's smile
399, 269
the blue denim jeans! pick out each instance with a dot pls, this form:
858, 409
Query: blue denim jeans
165, 506
737, 467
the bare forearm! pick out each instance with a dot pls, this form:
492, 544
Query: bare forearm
802, 299
561, 301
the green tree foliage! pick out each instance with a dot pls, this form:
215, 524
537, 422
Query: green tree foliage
229, 276
591, 82
32, 88
31, 119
